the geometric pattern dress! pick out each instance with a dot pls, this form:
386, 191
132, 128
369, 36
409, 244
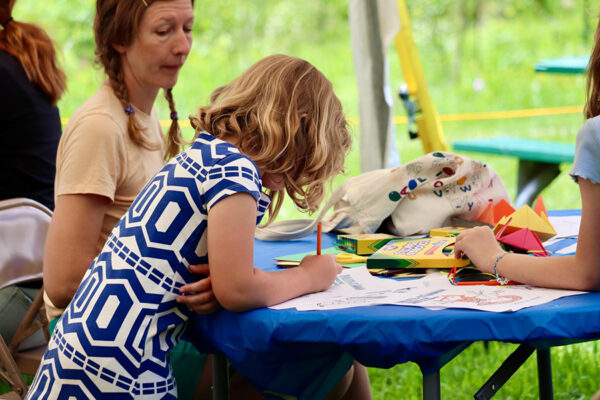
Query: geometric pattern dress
113, 341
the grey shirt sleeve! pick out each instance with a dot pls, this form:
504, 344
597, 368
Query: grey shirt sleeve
587, 152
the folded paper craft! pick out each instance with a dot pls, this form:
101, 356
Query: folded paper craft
525, 217
493, 213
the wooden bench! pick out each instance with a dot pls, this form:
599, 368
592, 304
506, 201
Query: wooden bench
539, 161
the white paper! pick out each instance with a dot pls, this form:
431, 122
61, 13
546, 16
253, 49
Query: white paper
356, 287
566, 226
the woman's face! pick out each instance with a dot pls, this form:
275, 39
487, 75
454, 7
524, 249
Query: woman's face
164, 38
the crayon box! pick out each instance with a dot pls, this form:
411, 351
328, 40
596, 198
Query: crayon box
362, 244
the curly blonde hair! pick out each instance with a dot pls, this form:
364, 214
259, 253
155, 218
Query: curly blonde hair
283, 114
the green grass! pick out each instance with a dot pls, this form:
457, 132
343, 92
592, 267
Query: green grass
499, 49
575, 373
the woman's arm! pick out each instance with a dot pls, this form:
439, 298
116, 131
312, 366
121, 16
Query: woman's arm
72, 243
580, 271
237, 285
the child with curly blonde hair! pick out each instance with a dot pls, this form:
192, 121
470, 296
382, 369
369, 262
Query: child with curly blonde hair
279, 127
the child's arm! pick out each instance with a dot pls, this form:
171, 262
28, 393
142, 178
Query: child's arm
580, 271
237, 285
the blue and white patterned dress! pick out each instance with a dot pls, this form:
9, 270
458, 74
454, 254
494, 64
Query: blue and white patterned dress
114, 338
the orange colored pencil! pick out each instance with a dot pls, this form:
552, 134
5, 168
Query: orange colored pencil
319, 230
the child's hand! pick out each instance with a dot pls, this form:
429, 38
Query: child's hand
321, 270
199, 296
480, 245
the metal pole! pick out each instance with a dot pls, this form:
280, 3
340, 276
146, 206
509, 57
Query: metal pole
431, 386
220, 377
544, 365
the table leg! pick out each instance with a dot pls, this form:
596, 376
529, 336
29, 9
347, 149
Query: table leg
544, 365
220, 377
533, 177
506, 370
431, 386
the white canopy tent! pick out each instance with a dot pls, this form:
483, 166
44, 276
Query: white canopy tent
374, 24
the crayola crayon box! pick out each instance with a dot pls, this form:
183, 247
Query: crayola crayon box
362, 244
431, 252
447, 231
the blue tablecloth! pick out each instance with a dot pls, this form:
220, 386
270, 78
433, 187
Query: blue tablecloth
287, 350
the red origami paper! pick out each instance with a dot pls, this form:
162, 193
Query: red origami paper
523, 239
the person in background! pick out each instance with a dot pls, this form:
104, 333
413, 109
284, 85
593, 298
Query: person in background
278, 127
113, 144
580, 271
31, 83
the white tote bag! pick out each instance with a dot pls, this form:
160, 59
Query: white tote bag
411, 199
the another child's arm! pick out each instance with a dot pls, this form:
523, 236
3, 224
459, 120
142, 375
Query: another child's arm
199, 296
580, 271
237, 285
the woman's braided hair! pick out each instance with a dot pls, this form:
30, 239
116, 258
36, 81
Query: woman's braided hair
117, 22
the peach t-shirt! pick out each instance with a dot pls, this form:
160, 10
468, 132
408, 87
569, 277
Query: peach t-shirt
96, 156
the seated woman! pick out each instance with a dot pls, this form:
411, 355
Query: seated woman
31, 83
113, 144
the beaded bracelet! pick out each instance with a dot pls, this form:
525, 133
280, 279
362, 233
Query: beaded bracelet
499, 279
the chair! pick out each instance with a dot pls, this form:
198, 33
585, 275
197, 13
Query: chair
23, 229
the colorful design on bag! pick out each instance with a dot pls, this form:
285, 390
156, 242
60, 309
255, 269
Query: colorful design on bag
394, 196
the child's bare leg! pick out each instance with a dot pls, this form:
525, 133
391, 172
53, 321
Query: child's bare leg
353, 386
596, 396
239, 388
342, 387
360, 387
203, 390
